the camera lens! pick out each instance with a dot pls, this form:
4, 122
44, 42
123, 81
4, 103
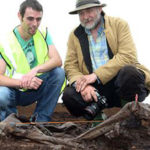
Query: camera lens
92, 110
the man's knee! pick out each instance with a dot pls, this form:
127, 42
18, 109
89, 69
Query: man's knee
59, 74
73, 101
130, 76
131, 81
5, 94
68, 95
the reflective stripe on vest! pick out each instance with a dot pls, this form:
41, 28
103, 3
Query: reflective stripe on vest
9, 67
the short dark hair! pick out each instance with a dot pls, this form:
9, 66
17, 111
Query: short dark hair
34, 4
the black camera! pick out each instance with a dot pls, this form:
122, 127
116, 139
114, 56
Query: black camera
92, 110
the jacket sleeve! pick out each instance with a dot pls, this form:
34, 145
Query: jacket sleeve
71, 64
122, 45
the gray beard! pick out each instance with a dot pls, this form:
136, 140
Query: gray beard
94, 25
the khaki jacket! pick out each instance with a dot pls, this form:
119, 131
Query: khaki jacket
121, 44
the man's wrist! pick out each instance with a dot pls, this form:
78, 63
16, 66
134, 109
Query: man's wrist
36, 70
96, 78
19, 84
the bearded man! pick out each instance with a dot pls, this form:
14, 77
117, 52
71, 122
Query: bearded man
101, 63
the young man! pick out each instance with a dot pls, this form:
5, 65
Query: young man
101, 61
29, 66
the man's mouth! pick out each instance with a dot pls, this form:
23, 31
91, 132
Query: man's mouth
88, 21
33, 30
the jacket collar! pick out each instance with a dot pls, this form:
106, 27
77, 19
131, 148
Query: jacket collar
83, 39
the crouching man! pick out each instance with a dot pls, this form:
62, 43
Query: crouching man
101, 63
30, 66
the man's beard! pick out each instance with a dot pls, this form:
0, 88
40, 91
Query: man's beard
93, 25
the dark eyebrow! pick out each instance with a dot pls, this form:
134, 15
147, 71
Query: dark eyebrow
32, 18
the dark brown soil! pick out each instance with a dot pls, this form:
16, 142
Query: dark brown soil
60, 116
139, 138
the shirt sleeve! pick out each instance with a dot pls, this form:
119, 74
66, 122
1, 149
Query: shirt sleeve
49, 39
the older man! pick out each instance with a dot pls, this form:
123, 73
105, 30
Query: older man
101, 63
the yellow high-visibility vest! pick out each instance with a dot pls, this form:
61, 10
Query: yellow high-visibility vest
15, 58
13, 55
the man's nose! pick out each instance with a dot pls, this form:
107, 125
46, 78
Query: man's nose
85, 15
35, 22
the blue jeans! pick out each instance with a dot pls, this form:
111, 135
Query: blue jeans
46, 96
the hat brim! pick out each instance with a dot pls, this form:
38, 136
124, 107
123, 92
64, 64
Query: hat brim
85, 7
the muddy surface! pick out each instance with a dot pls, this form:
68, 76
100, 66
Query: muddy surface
134, 133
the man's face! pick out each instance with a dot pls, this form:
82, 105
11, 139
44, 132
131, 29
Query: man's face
30, 21
90, 17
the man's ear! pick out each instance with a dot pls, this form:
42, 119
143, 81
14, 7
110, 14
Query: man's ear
20, 17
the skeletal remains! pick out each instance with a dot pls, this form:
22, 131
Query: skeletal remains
131, 116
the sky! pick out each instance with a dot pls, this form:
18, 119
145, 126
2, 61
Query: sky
60, 23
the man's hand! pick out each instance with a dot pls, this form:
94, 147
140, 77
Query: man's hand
85, 80
35, 83
89, 94
26, 79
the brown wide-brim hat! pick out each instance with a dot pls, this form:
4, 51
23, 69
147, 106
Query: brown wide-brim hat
84, 4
